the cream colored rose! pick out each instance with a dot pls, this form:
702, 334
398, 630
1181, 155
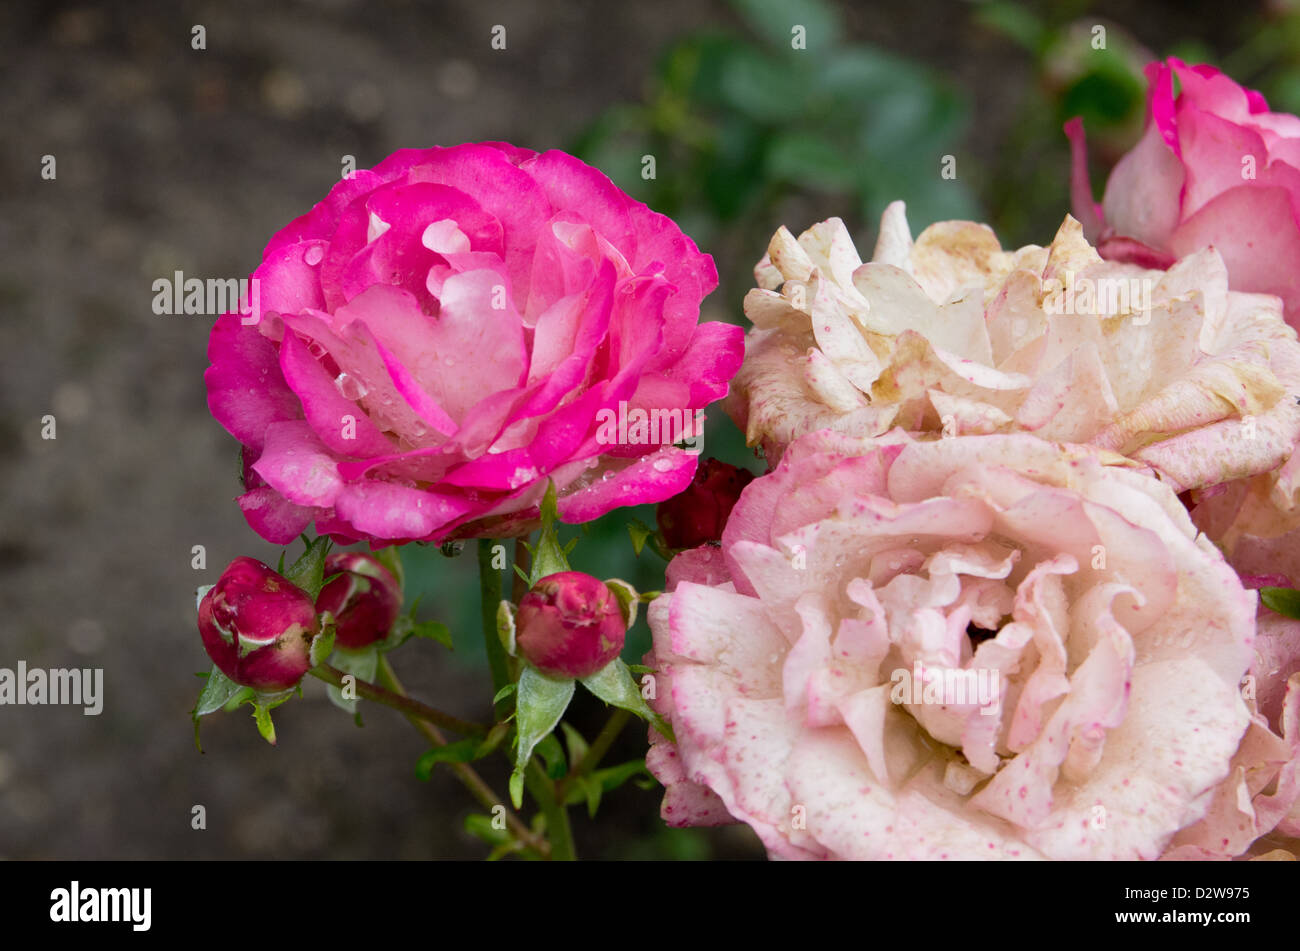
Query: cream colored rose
952, 335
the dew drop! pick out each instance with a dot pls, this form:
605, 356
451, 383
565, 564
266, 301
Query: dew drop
313, 255
662, 465
450, 361
349, 387
315, 349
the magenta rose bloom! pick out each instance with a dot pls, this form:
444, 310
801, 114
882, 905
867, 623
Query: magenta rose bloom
569, 625
364, 598
446, 332
1215, 167
257, 626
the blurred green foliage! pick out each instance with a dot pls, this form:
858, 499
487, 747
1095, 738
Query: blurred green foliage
737, 123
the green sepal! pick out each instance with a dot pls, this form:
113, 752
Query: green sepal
628, 599
548, 557
504, 692
262, 715
263, 703
322, 645
614, 684
506, 626
643, 536
517, 788
218, 689
540, 702
308, 572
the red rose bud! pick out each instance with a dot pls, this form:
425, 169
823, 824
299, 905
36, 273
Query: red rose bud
257, 626
698, 514
365, 599
569, 625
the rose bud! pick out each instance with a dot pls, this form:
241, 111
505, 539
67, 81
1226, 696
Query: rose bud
698, 515
365, 599
569, 625
257, 626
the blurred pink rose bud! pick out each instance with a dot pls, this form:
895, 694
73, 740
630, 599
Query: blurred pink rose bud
697, 515
569, 625
365, 599
257, 626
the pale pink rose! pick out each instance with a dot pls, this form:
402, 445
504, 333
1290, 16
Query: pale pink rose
952, 335
1257, 809
1101, 643
447, 332
1215, 167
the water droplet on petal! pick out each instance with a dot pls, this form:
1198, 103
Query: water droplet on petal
315, 349
662, 465
313, 255
349, 387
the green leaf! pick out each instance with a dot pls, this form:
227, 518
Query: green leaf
552, 755
773, 20
433, 631
262, 715
308, 572
577, 745
592, 790
539, 705
763, 89
548, 556
504, 692
811, 162
361, 664
614, 684
1283, 601
462, 751
612, 777
480, 826
1014, 22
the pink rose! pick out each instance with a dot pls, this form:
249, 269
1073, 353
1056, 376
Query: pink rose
444, 334
1214, 167
975, 647
1259, 798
